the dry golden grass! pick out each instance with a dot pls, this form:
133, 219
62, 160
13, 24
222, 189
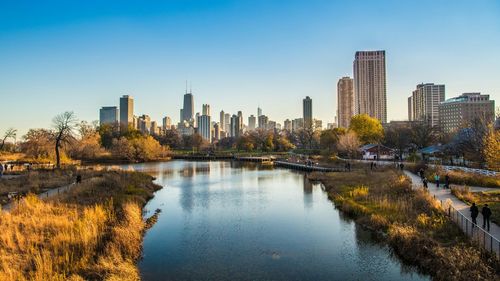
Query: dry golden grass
97, 239
415, 225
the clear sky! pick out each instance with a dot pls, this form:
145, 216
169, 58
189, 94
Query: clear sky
80, 55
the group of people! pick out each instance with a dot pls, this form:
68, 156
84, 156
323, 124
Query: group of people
485, 211
437, 179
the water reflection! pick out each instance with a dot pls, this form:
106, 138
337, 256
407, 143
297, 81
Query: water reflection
232, 221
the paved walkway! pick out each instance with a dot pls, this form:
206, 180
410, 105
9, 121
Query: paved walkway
444, 194
49, 193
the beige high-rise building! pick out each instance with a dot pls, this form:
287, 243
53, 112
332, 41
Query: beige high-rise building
423, 104
345, 101
126, 111
370, 92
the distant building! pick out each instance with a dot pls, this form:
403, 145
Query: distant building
188, 107
370, 93
271, 125
205, 109
108, 115
318, 124
263, 120
217, 132
236, 126
126, 111
227, 122
154, 130
144, 124
222, 120
330, 126
297, 124
167, 123
252, 122
423, 104
259, 112
345, 101
204, 127
287, 125
458, 112
307, 112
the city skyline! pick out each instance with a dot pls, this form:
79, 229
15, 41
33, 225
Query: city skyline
83, 61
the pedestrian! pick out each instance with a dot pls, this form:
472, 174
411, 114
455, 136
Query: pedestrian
474, 212
374, 165
486, 211
421, 173
402, 166
436, 179
78, 179
1, 171
447, 181
348, 166
371, 165
6, 167
425, 183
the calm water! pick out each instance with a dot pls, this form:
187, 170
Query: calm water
228, 221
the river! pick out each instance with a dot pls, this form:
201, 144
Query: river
232, 221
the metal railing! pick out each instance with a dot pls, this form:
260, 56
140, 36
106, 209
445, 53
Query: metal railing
476, 233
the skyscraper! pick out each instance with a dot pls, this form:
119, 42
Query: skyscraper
423, 104
236, 126
227, 123
287, 125
126, 111
144, 124
240, 115
188, 107
205, 127
370, 94
345, 101
251, 122
263, 120
307, 112
167, 123
108, 115
222, 120
259, 111
205, 109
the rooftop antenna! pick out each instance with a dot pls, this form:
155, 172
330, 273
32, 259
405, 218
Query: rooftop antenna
190, 87
186, 86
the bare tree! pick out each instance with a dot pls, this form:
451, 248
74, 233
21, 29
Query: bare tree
64, 125
10, 133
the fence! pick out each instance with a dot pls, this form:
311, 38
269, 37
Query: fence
474, 231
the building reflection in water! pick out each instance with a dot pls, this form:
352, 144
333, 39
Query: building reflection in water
308, 192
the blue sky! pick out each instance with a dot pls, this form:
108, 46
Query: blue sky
81, 55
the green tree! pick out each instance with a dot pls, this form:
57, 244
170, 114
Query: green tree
10, 133
328, 138
368, 129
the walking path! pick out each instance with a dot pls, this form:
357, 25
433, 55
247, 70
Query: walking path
49, 193
445, 194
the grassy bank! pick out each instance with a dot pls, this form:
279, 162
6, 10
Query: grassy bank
457, 177
492, 198
93, 232
411, 222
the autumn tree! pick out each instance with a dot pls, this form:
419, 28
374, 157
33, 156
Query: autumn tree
491, 149
348, 144
10, 133
328, 138
368, 129
423, 134
398, 137
64, 125
38, 144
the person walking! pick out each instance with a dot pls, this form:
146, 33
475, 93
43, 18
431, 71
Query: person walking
371, 165
402, 166
348, 166
1, 171
421, 173
486, 211
436, 179
447, 181
474, 212
424, 181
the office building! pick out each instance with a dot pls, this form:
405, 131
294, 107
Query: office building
205, 109
297, 124
126, 111
262, 122
144, 124
307, 112
236, 126
370, 92
458, 112
318, 124
188, 107
227, 123
345, 101
423, 104
251, 122
166, 123
222, 120
259, 111
217, 131
205, 127
108, 115
287, 125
